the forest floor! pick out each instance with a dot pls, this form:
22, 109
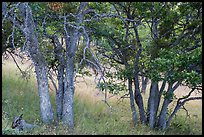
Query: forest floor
92, 114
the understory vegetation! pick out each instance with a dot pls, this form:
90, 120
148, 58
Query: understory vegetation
92, 115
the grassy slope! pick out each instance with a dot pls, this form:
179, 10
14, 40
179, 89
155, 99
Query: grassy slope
92, 116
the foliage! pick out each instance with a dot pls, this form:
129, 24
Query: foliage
172, 53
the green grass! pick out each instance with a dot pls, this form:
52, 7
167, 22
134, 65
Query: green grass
90, 116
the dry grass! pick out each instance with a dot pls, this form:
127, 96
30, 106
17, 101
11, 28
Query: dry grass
92, 115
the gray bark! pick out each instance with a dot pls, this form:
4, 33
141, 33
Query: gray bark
45, 104
158, 98
153, 98
138, 97
178, 106
59, 93
139, 100
68, 99
162, 116
71, 41
132, 106
151, 112
40, 66
181, 102
144, 84
60, 77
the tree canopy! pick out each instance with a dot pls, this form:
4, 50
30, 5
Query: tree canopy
123, 41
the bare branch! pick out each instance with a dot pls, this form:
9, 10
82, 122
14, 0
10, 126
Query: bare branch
123, 96
181, 103
23, 73
65, 27
162, 87
13, 29
187, 113
5, 13
176, 86
179, 100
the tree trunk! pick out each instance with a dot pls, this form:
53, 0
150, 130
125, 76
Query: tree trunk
71, 41
138, 97
162, 117
151, 114
45, 105
40, 66
59, 55
158, 98
68, 99
162, 122
181, 102
132, 106
172, 114
139, 100
59, 93
144, 84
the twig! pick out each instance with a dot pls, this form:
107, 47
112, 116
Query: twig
105, 101
22, 72
187, 113
122, 97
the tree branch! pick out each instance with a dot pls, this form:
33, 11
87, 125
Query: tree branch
52, 80
5, 13
122, 97
180, 103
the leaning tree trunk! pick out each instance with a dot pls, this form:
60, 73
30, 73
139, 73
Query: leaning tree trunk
139, 100
162, 116
162, 122
138, 97
158, 98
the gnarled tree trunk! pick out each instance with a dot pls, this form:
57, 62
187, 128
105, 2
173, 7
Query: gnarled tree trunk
40, 66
